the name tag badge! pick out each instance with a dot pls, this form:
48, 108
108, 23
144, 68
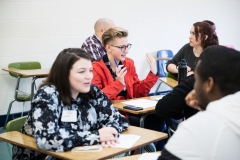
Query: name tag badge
69, 116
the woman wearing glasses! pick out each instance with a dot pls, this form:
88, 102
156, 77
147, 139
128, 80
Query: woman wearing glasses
115, 74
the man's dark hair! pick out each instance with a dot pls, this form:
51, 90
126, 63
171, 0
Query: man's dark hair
60, 71
223, 65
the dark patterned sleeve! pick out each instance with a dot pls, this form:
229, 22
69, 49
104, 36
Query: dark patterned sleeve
109, 116
49, 134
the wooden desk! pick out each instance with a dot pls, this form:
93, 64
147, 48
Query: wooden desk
169, 81
28, 73
147, 137
35, 73
134, 157
119, 105
143, 113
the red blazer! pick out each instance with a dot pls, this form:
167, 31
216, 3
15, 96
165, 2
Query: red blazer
135, 88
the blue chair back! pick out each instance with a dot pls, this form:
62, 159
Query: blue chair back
161, 64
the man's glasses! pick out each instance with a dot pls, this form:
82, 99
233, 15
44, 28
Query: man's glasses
124, 47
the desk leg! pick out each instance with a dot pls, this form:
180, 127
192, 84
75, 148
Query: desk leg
32, 87
142, 119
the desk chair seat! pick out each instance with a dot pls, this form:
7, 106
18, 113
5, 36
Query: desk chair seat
161, 65
20, 96
16, 124
172, 125
149, 148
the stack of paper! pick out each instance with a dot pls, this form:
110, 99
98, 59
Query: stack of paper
149, 156
127, 140
94, 148
159, 97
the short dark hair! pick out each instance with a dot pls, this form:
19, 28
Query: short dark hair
60, 71
223, 65
205, 29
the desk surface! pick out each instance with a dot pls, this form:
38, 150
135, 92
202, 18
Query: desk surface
119, 105
169, 81
23, 140
28, 73
133, 157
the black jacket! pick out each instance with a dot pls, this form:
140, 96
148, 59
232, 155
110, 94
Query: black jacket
173, 105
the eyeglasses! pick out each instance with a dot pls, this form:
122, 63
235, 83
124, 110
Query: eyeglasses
124, 47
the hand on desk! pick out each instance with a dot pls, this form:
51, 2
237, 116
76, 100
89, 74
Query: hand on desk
108, 136
109, 143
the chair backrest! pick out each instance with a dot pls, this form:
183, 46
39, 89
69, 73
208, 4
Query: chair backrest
161, 64
24, 66
172, 125
16, 124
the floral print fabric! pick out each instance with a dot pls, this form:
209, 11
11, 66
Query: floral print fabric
51, 133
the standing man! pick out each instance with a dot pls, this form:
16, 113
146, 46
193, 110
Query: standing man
93, 44
213, 133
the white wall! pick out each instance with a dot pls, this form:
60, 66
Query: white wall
40, 29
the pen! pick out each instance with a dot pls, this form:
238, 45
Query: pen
116, 62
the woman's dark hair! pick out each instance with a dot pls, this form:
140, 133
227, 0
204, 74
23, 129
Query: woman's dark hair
223, 65
209, 22
205, 30
60, 71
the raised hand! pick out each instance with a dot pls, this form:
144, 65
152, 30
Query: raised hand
152, 63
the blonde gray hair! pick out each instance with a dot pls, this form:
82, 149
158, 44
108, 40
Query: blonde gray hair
112, 33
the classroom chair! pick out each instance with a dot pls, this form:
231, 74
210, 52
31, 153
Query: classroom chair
172, 125
161, 65
20, 96
16, 124
149, 148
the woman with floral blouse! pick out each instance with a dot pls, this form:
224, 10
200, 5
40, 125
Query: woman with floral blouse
68, 111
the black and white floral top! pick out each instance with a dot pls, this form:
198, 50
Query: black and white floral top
45, 124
